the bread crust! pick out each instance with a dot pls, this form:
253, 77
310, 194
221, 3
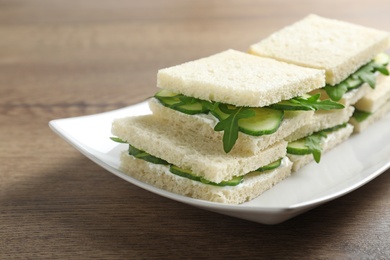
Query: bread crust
338, 47
159, 176
189, 150
322, 120
240, 79
245, 144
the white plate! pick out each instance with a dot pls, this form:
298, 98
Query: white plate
342, 170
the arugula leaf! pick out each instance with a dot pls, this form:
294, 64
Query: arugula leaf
360, 115
118, 140
209, 106
365, 74
229, 125
316, 104
381, 68
313, 142
336, 92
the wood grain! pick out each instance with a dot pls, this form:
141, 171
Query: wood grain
68, 58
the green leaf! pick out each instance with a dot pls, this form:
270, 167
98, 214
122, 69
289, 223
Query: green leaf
365, 74
118, 140
316, 104
229, 125
360, 115
307, 102
336, 92
381, 68
313, 142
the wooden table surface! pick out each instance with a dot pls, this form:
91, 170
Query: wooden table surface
70, 58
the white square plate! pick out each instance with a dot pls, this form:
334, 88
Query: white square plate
345, 168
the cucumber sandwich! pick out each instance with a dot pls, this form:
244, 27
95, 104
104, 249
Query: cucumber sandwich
355, 67
172, 158
227, 127
246, 103
218, 126
373, 106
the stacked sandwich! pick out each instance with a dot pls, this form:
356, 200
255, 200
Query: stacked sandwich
376, 103
352, 57
221, 126
218, 126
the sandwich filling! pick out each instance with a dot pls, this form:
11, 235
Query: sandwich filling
365, 74
236, 180
254, 121
312, 144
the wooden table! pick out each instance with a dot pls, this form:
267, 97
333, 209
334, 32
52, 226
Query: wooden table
70, 58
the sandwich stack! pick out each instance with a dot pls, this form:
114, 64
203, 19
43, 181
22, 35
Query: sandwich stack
221, 125
217, 131
352, 57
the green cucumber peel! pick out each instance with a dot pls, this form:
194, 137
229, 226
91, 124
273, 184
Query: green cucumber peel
365, 74
189, 175
270, 166
140, 154
182, 103
229, 125
334, 128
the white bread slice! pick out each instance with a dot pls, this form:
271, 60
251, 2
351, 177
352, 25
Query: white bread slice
377, 115
376, 98
189, 150
159, 176
245, 144
327, 144
350, 98
240, 79
322, 120
338, 47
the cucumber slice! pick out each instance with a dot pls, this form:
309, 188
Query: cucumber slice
139, 154
188, 174
298, 147
187, 105
191, 109
265, 121
353, 83
165, 93
270, 166
382, 58
183, 173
